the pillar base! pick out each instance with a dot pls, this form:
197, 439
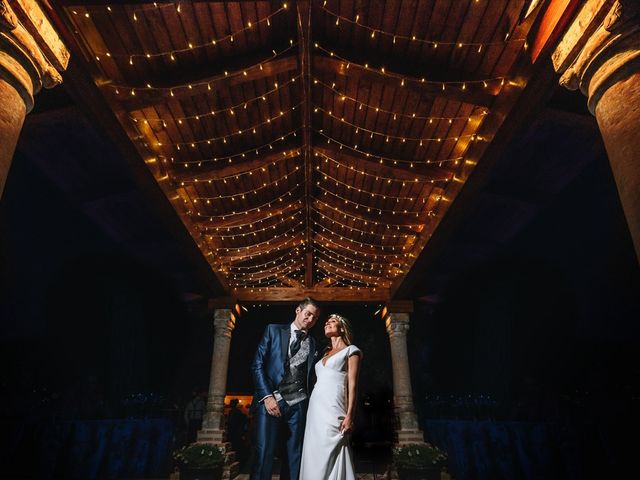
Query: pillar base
406, 437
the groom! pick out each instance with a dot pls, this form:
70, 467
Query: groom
281, 371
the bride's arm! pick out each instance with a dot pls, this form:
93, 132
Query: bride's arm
352, 393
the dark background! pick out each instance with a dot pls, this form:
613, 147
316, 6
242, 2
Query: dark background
543, 328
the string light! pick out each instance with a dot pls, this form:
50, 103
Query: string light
214, 112
379, 177
341, 212
193, 143
364, 232
387, 262
407, 78
205, 83
257, 209
285, 211
382, 159
253, 191
230, 158
171, 54
387, 135
343, 96
413, 38
236, 250
260, 266
359, 242
322, 255
325, 176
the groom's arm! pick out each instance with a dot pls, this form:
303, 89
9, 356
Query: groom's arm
262, 385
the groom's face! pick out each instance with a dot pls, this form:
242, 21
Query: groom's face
306, 317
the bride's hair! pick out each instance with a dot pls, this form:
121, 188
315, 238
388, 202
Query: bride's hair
345, 326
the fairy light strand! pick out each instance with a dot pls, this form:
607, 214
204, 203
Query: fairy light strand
195, 85
381, 158
281, 114
243, 154
343, 96
402, 79
212, 113
388, 136
414, 38
190, 47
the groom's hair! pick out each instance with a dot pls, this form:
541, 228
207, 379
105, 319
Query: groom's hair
308, 301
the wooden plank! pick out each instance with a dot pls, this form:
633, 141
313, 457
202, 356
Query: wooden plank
289, 295
399, 306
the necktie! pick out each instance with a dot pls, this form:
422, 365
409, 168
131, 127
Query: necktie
295, 346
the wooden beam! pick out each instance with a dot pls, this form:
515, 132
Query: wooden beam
289, 295
399, 306
228, 170
147, 98
303, 9
360, 162
363, 75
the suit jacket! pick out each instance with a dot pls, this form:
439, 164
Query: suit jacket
271, 356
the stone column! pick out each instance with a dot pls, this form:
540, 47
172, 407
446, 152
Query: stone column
600, 54
408, 430
31, 57
212, 425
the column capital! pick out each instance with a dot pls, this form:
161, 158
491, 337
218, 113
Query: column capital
223, 322
600, 48
397, 324
32, 54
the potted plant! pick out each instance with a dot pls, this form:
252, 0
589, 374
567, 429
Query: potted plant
419, 461
199, 461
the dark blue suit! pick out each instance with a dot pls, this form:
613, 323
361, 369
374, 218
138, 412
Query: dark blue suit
268, 371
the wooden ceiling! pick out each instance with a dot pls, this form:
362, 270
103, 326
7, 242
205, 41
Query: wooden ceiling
309, 147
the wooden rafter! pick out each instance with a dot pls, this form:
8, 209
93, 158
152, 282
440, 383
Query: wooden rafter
304, 59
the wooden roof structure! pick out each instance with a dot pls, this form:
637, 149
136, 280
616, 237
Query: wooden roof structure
308, 147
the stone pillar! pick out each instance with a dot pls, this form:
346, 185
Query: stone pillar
408, 430
600, 54
31, 57
212, 424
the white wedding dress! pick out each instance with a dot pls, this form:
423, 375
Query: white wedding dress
326, 453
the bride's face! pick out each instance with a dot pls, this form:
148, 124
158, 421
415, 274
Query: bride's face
332, 327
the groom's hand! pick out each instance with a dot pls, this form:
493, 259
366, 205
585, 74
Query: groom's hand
271, 406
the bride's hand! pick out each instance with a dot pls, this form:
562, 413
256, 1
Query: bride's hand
347, 425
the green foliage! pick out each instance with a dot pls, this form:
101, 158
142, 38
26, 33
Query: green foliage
199, 456
419, 455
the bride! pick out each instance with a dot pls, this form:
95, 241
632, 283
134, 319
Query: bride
326, 453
